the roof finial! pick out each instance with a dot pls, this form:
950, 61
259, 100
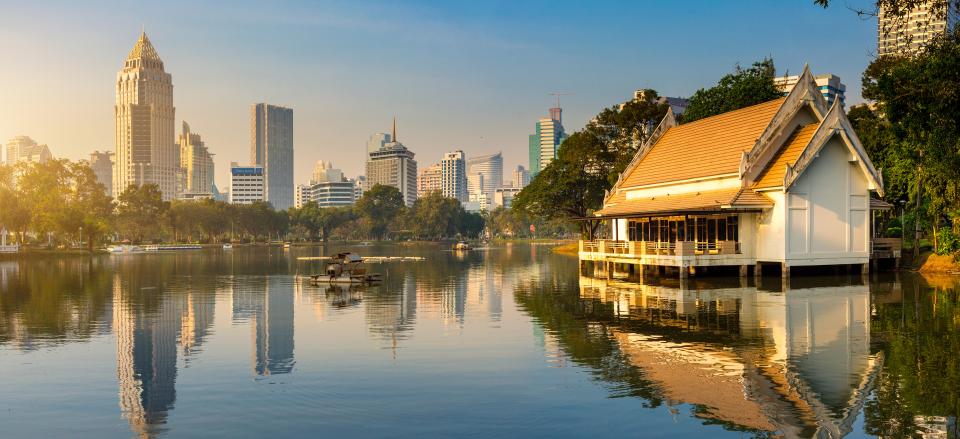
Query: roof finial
395, 129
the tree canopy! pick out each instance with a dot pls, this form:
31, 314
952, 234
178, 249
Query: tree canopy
742, 88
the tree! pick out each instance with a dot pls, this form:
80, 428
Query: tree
742, 88
919, 97
89, 204
329, 218
567, 188
139, 212
381, 207
14, 215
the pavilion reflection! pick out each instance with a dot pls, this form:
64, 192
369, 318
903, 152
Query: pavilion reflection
796, 362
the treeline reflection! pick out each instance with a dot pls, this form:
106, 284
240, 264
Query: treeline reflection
802, 362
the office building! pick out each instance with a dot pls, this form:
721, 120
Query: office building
429, 180
546, 140
196, 164
829, 85
393, 165
521, 178
377, 141
908, 34
485, 174
271, 147
246, 184
102, 165
503, 197
327, 187
453, 176
25, 149
144, 117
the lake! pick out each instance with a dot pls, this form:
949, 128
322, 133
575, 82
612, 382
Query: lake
507, 341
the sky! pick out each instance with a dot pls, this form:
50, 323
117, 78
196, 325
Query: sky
473, 76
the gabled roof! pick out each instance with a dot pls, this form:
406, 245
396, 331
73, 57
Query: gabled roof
772, 176
703, 148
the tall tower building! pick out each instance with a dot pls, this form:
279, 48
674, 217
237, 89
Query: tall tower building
484, 174
102, 165
908, 34
453, 176
144, 116
521, 178
271, 146
196, 163
546, 140
392, 165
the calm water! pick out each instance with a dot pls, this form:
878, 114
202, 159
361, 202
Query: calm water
507, 341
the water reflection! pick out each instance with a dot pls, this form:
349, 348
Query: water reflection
826, 357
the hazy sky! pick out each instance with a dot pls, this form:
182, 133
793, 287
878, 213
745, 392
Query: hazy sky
458, 75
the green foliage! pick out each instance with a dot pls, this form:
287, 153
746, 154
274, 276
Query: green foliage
918, 100
380, 207
948, 243
434, 216
742, 88
140, 210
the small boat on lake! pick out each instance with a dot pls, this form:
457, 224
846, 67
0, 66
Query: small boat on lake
346, 268
462, 245
125, 249
228, 246
155, 248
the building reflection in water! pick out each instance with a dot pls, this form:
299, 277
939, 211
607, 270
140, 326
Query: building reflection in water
267, 303
796, 362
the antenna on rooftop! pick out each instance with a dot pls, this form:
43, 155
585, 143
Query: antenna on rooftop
558, 94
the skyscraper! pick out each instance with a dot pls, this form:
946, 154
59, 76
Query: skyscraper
453, 176
196, 163
907, 35
246, 184
484, 174
271, 146
546, 140
102, 165
393, 165
25, 149
144, 116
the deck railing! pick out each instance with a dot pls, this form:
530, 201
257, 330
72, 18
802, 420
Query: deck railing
663, 248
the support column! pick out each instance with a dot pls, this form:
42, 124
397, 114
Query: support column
743, 271
757, 272
684, 271
785, 276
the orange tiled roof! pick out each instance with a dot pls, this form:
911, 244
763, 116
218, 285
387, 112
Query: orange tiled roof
773, 175
618, 204
703, 148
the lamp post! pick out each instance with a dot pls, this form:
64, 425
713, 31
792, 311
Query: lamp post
81, 237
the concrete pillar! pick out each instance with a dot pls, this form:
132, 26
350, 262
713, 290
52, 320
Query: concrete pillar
757, 272
684, 271
785, 275
743, 271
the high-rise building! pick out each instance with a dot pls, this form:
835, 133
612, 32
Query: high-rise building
246, 184
144, 117
908, 34
830, 86
429, 180
453, 176
327, 187
271, 146
546, 140
393, 165
196, 163
521, 178
102, 165
503, 197
485, 174
25, 149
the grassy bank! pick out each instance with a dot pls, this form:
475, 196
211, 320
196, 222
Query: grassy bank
931, 263
570, 248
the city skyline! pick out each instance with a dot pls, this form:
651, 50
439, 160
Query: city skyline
342, 98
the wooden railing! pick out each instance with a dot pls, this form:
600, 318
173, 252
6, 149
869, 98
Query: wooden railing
675, 248
886, 247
